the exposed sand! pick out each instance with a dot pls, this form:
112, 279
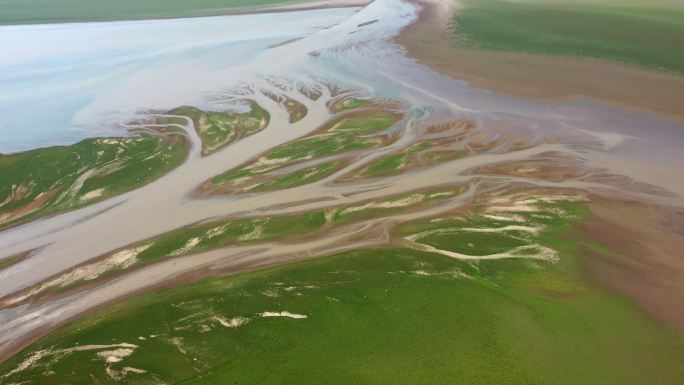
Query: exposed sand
286, 314
430, 42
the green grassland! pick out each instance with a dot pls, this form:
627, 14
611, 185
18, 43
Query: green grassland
390, 205
418, 155
465, 235
640, 33
349, 104
52, 179
343, 134
216, 234
392, 164
374, 316
59, 11
301, 177
218, 129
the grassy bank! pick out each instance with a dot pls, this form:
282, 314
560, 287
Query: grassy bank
344, 134
44, 11
218, 129
645, 34
52, 179
370, 316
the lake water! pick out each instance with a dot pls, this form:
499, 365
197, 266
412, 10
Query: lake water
63, 82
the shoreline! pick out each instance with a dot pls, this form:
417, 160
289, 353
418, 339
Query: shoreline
293, 7
429, 42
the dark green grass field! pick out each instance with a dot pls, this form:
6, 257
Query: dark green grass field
640, 33
60, 11
376, 316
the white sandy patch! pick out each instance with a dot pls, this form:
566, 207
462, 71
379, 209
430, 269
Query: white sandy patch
121, 374
311, 173
178, 343
119, 260
542, 253
505, 217
18, 192
292, 288
254, 234
265, 164
528, 229
107, 141
116, 355
189, 245
409, 200
76, 186
122, 351
417, 236
234, 322
283, 314
271, 293
216, 231
441, 194
92, 194
456, 273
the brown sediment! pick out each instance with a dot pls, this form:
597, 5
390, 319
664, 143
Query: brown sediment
296, 110
457, 125
449, 140
640, 254
310, 92
17, 214
430, 41
558, 167
551, 167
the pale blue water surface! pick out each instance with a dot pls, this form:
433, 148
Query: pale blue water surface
63, 82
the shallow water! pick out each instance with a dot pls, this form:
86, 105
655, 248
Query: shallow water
63, 82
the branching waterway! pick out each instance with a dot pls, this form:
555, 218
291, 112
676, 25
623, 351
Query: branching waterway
151, 67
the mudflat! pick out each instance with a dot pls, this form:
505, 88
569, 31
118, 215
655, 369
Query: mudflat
430, 41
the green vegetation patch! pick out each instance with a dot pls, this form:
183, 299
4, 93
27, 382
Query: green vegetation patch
52, 179
645, 34
394, 163
221, 233
218, 129
49, 11
389, 206
377, 316
343, 134
302, 177
349, 104
514, 229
